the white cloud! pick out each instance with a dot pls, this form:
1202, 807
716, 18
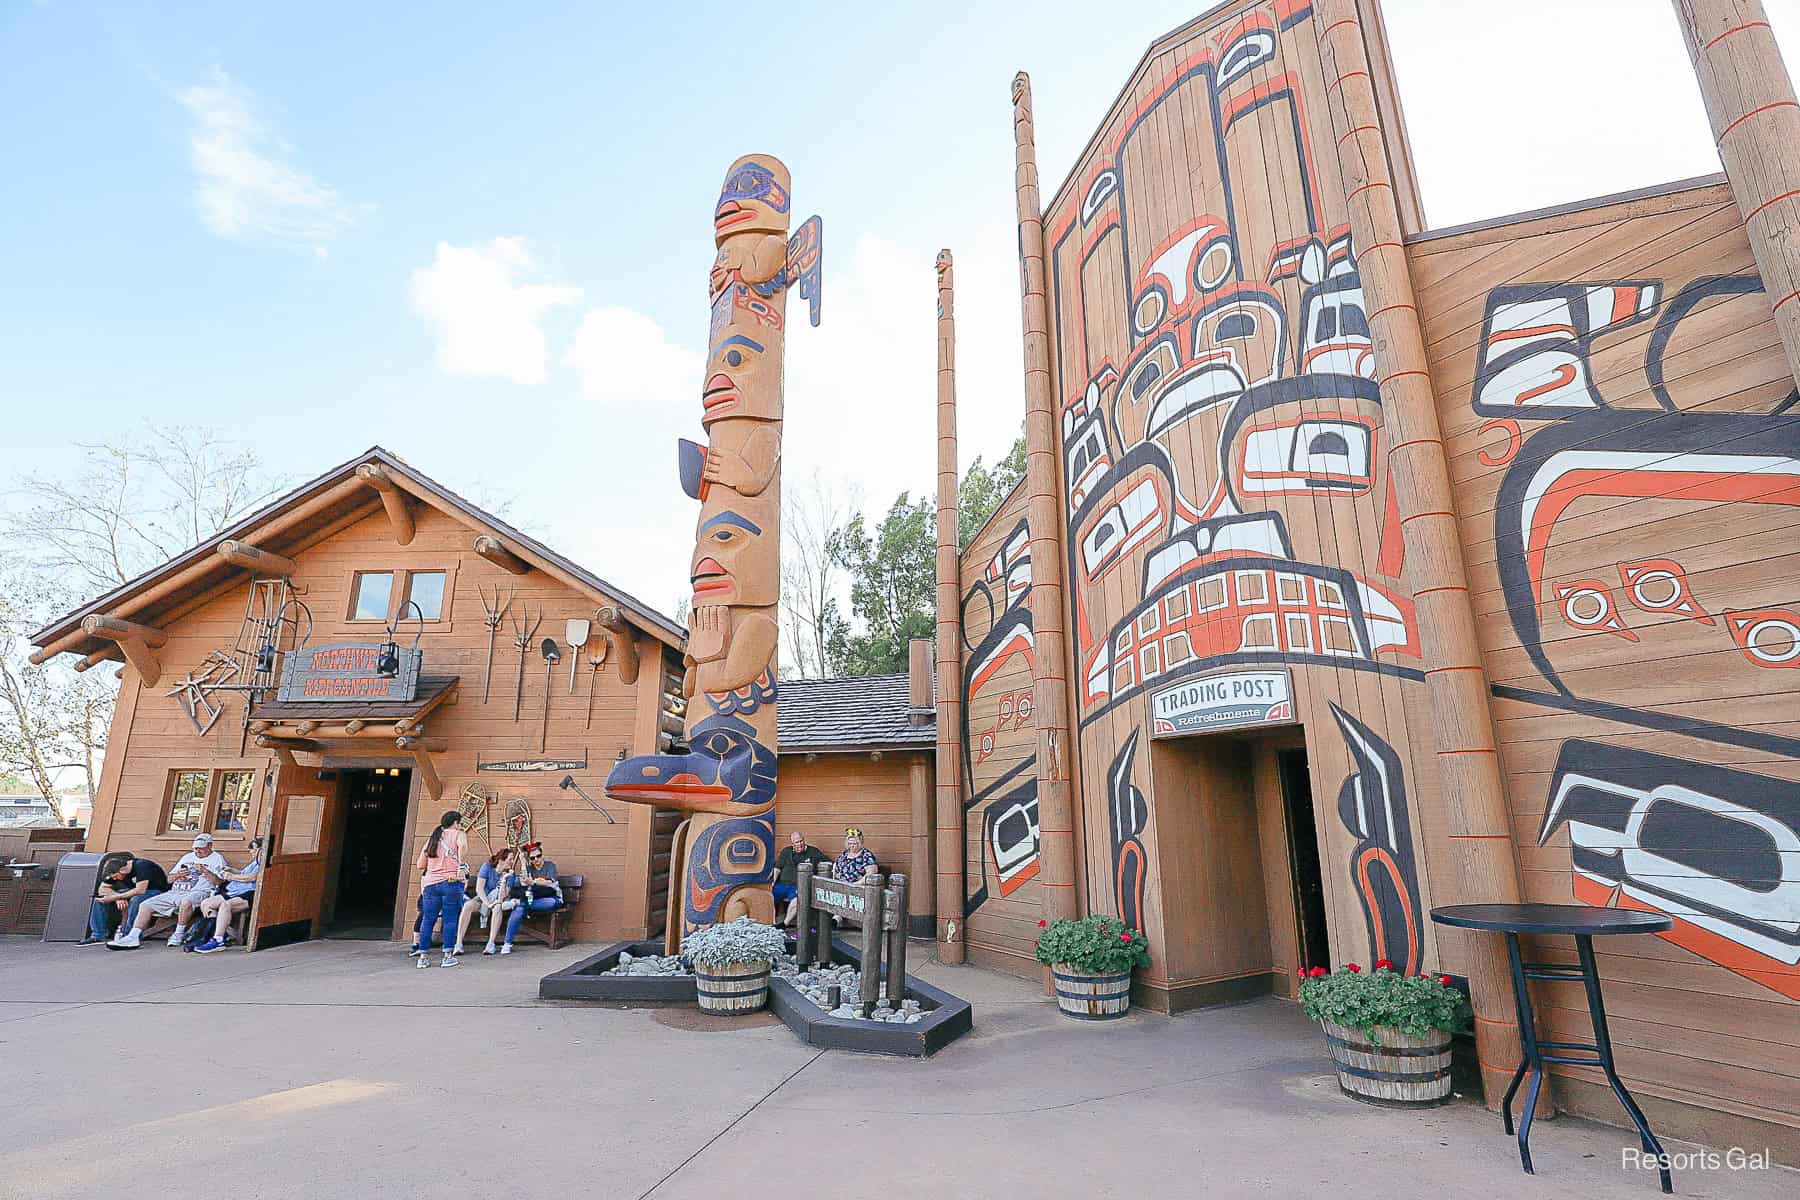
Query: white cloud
245, 191
624, 358
488, 322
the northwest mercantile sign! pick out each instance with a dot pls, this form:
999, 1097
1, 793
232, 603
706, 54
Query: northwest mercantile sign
1231, 701
346, 671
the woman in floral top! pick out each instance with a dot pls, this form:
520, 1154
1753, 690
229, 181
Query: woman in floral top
855, 861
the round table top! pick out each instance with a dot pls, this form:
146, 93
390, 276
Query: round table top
1550, 918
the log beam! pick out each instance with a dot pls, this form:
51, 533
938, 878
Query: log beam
136, 642
431, 745
495, 551
257, 562
396, 502
270, 741
434, 786
109, 654
623, 640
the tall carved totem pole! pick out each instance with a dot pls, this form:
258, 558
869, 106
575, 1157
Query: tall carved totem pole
724, 776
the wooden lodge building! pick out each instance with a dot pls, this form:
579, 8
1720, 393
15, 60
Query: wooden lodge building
1360, 568
348, 783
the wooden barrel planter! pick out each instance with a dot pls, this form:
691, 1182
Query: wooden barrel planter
1090, 997
1392, 1069
733, 988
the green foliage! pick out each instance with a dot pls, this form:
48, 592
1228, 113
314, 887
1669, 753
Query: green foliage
983, 489
893, 582
1413, 1004
739, 941
1095, 943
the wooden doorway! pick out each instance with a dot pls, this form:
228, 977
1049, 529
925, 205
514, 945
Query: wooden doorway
298, 848
1311, 931
366, 870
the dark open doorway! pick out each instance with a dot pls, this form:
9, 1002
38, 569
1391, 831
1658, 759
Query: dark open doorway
361, 902
1303, 859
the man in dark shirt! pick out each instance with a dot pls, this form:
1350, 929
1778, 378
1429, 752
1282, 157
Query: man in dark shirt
120, 893
787, 871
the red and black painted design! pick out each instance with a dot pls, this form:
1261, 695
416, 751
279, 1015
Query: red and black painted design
1372, 804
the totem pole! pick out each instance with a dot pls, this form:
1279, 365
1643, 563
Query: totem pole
723, 776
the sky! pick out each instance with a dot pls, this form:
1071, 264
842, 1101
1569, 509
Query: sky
478, 235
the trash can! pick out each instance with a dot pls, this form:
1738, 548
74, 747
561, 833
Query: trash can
77, 875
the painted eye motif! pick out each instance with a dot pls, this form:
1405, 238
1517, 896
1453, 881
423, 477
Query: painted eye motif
734, 358
718, 744
723, 535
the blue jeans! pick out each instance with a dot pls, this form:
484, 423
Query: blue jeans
440, 899
100, 915
541, 904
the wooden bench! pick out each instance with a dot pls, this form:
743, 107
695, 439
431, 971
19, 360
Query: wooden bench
551, 928
163, 926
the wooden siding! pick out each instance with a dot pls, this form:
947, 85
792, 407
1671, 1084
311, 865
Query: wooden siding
999, 736
1616, 412
152, 735
1229, 506
823, 797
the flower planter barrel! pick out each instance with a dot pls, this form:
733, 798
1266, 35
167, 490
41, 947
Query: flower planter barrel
1087, 996
733, 988
1393, 1069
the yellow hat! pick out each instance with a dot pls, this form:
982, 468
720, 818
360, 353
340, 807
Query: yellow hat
853, 832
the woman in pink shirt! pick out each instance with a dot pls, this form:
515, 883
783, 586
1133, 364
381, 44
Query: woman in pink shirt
441, 861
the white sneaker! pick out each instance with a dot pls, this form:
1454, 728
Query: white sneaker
176, 937
449, 961
128, 940
488, 949
420, 961
506, 949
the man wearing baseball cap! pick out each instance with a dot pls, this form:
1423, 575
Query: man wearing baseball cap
194, 878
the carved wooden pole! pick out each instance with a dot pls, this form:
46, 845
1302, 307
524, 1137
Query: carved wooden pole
1056, 816
1468, 762
1756, 123
724, 775
950, 888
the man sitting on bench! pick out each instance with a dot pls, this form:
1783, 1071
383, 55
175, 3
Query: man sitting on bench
239, 894
195, 877
121, 893
541, 887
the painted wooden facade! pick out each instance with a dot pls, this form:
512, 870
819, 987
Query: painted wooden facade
1248, 444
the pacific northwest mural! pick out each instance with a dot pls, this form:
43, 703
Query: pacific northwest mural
1225, 457
724, 776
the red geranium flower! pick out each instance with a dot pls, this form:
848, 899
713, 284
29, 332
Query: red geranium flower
1384, 964
1445, 980
1124, 937
1317, 973
1352, 967
1041, 924
1299, 972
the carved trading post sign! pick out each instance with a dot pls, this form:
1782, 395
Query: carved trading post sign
1230, 701
877, 906
346, 672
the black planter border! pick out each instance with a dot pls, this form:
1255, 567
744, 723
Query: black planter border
947, 1018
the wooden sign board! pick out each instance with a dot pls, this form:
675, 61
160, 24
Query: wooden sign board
877, 906
1235, 700
534, 764
346, 672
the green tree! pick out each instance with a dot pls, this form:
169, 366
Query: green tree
892, 587
984, 488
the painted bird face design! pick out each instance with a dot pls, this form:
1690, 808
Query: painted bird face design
725, 770
755, 198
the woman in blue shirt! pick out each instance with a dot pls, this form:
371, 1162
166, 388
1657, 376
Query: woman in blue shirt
493, 895
856, 860
235, 897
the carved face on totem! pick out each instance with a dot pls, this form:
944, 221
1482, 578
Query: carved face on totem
743, 373
734, 559
755, 198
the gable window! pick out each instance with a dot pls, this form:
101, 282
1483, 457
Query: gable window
236, 790
425, 589
186, 809
370, 594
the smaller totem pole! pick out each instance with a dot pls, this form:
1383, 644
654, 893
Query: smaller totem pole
724, 776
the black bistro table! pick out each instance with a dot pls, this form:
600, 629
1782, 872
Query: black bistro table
1584, 924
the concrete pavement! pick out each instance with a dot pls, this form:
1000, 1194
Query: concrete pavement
333, 1069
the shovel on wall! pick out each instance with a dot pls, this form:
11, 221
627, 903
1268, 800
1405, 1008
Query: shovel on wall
576, 633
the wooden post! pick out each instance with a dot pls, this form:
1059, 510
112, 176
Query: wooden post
394, 500
896, 914
1480, 833
872, 932
136, 642
1044, 513
257, 562
803, 909
948, 804
917, 919
1756, 123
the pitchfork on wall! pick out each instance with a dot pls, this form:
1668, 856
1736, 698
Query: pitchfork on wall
523, 631
493, 614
